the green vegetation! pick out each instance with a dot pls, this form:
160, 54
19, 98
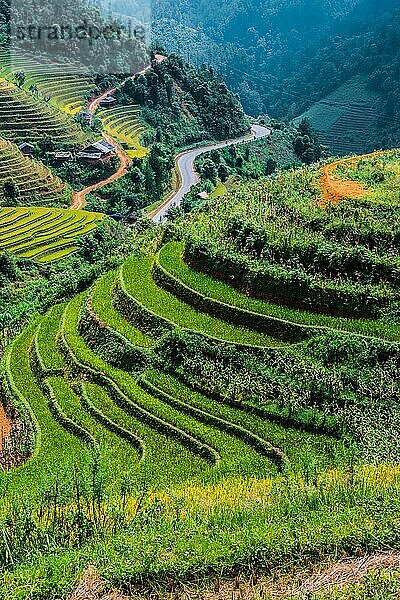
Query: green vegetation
146, 179
165, 310
220, 170
25, 117
28, 286
183, 105
64, 86
44, 234
181, 431
78, 173
171, 259
27, 181
261, 157
338, 60
347, 120
219, 395
276, 241
124, 125
379, 172
102, 299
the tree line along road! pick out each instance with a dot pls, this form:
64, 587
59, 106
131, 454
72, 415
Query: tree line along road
188, 175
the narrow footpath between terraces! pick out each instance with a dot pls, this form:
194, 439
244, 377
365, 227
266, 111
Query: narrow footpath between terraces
5, 426
79, 198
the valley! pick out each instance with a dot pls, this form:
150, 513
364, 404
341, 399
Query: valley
199, 328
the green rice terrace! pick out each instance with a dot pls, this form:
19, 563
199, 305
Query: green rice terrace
26, 117
216, 396
176, 419
200, 374
31, 182
123, 123
43, 234
64, 86
347, 118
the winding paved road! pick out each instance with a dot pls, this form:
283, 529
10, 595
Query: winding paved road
189, 177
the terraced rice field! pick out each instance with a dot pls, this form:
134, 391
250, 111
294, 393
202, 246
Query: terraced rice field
66, 86
123, 124
345, 118
35, 183
94, 391
43, 234
205, 293
23, 117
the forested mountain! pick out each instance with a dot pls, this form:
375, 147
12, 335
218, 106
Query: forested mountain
75, 31
282, 56
183, 104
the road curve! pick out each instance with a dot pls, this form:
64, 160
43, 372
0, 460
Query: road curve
189, 177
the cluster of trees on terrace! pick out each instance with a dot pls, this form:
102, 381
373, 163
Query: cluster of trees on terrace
183, 104
145, 183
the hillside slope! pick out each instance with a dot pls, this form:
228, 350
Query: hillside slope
24, 117
164, 401
285, 56
27, 181
184, 105
348, 120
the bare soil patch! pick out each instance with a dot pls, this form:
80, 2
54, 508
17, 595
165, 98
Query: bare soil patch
91, 587
335, 189
5, 426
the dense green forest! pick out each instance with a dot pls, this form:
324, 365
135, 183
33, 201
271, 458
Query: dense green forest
184, 105
73, 32
283, 56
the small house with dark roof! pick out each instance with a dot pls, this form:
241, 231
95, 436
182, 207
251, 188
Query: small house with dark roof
90, 157
26, 148
98, 151
62, 156
108, 102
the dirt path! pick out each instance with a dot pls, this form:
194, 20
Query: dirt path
94, 104
5, 426
334, 190
79, 198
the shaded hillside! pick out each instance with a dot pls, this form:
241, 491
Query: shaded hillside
348, 119
184, 105
284, 56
